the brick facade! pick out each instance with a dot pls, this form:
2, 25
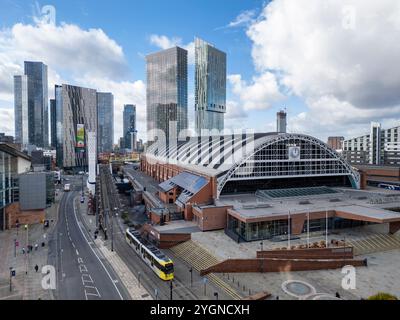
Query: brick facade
13, 213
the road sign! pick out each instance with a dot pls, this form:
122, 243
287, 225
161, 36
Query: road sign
205, 280
13, 273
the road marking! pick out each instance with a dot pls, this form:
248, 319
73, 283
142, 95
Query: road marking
98, 258
73, 244
86, 278
96, 294
77, 253
82, 268
80, 260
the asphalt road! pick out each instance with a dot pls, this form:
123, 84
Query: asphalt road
81, 273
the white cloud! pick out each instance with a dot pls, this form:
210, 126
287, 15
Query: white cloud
242, 19
340, 57
87, 58
163, 42
7, 121
259, 94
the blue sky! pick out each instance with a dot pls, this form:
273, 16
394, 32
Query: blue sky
294, 62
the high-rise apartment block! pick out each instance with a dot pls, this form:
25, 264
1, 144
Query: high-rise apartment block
31, 105
281, 121
379, 147
79, 110
21, 114
167, 92
129, 124
105, 113
210, 87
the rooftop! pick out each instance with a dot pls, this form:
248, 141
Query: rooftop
371, 204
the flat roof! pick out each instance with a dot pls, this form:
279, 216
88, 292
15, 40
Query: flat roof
15, 152
361, 205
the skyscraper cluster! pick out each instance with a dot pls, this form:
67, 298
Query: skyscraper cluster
167, 90
76, 114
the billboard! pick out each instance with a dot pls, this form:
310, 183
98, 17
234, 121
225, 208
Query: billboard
80, 136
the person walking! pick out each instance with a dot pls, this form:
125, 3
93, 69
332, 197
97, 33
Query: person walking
36, 246
23, 250
36, 268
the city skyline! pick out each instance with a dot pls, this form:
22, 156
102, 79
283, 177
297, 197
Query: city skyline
263, 75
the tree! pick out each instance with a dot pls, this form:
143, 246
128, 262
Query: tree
383, 296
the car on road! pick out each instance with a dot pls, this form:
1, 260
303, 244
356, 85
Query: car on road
67, 187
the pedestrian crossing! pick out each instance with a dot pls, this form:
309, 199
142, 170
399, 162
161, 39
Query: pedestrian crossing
375, 243
201, 259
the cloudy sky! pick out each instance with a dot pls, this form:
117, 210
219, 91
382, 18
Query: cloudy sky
334, 65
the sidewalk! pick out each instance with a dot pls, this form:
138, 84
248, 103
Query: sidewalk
127, 278
27, 283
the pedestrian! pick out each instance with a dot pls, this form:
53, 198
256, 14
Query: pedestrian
277, 297
337, 295
36, 268
23, 250
36, 246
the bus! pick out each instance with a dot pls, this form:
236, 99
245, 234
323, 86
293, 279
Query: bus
162, 266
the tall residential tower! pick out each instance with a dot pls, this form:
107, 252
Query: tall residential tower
21, 110
105, 114
210, 87
167, 92
38, 104
129, 124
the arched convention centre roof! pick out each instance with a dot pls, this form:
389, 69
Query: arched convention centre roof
244, 157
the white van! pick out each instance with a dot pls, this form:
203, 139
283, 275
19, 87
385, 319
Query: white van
67, 187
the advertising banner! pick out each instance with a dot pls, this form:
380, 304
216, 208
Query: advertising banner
80, 136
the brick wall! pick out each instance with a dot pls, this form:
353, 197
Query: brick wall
213, 218
13, 213
316, 253
278, 265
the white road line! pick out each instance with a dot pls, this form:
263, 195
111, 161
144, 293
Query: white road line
77, 252
98, 258
82, 268
86, 278
80, 260
73, 244
97, 294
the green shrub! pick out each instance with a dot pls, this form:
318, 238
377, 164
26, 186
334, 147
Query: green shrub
383, 296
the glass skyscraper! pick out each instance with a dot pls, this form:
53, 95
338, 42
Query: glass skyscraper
210, 86
105, 125
38, 117
167, 91
129, 119
21, 109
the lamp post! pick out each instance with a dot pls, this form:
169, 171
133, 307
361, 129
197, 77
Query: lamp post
170, 290
289, 230
191, 276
